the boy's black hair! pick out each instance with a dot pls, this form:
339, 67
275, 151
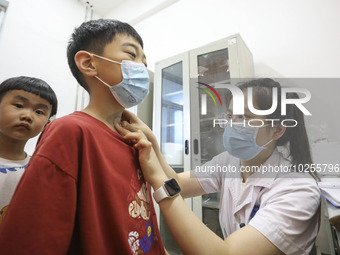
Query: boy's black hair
93, 36
32, 85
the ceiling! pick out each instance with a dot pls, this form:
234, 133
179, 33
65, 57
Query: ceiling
103, 7
132, 11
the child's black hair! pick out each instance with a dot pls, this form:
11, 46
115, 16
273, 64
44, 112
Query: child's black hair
295, 136
93, 36
33, 85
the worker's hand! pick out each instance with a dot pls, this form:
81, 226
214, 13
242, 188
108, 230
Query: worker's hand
152, 170
132, 123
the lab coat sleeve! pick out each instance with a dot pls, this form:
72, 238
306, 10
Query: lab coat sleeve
41, 215
211, 174
290, 217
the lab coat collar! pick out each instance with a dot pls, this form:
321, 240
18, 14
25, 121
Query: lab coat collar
249, 195
265, 178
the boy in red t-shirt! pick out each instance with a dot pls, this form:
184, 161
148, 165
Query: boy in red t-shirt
83, 191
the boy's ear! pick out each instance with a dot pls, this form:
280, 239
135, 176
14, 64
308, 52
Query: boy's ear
84, 62
279, 131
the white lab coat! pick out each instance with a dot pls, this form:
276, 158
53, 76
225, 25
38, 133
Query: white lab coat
289, 203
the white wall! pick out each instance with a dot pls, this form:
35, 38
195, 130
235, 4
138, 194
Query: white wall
291, 38
288, 39
33, 43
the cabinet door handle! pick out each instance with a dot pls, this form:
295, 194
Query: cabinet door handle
186, 147
196, 146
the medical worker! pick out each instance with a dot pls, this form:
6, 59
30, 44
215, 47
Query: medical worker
262, 210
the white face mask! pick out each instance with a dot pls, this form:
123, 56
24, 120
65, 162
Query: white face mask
240, 141
134, 87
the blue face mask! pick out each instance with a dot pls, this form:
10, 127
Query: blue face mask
134, 87
240, 141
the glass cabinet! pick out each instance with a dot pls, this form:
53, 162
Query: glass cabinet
188, 96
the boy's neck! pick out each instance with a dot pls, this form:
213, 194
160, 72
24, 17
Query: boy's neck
108, 118
102, 104
12, 149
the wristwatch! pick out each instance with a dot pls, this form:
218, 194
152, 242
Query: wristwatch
170, 188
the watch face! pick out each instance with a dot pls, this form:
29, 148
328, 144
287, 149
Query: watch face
172, 187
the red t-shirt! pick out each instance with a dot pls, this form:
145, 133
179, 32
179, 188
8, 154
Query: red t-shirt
82, 193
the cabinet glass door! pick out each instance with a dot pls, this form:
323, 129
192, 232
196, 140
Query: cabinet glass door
171, 124
171, 132
172, 127
213, 68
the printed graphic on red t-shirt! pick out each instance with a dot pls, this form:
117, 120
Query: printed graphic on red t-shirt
143, 235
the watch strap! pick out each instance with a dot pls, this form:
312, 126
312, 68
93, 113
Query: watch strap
160, 194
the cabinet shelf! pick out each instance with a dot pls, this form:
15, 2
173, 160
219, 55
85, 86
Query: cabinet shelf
211, 203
